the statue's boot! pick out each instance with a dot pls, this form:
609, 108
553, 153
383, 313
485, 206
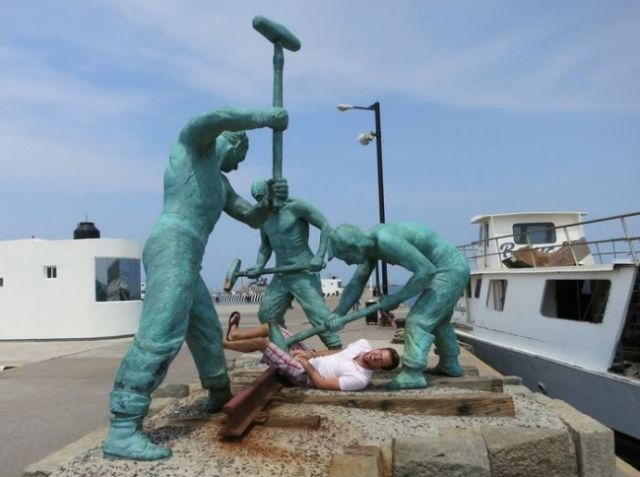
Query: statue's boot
447, 366
219, 393
408, 379
448, 349
127, 441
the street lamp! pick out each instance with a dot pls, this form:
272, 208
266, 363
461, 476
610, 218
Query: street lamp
365, 139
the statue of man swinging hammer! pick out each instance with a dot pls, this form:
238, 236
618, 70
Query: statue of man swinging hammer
177, 304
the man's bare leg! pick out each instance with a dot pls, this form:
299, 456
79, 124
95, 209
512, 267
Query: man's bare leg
260, 331
247, 345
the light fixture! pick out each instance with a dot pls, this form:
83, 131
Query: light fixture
366, 138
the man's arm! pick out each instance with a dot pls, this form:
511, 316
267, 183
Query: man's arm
307, 353
202, 130
312, 215
353, 291
318, 380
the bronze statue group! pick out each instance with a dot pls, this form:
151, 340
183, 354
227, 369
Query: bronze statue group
178, 306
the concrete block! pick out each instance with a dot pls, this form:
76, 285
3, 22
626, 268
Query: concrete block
512, 380
524, 452
171, 390
356, 461
158, 404
593, 441
518, 390
454, 455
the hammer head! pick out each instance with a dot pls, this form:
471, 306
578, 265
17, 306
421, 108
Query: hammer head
276, 33
232, 275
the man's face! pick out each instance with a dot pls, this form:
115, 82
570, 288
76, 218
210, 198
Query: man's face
378, 359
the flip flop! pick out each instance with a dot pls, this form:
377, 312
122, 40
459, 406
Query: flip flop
234, 320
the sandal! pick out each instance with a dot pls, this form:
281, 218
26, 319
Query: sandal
234, 320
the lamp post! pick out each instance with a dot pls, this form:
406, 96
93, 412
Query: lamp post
365, 139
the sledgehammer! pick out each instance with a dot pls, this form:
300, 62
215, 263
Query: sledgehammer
281, 38
234, 272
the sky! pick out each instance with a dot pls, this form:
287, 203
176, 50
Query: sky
487, 107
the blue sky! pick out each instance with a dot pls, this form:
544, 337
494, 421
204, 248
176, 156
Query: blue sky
487, 106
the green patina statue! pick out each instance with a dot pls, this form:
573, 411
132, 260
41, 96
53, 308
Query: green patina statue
287, 234
177, 303
440, 274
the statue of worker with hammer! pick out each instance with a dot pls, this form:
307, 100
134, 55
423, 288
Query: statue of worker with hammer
177, 303
440, 273
286, 233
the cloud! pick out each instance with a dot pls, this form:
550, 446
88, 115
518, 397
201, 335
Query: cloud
536, 63
36, 158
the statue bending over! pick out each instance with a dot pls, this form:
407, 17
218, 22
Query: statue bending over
177, 304
440, 274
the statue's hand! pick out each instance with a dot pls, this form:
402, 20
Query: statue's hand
387, 302
333, 323
278, 119
254, 272
278, 189
316, 264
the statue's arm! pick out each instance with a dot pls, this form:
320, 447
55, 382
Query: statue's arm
240, 209
265, 250
308, 212
202, 130
353, 291
395, 249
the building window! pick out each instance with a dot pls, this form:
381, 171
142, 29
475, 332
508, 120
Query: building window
117, 279
478, 288
578, 300
534, 233
497, 294
1, 281
50, 272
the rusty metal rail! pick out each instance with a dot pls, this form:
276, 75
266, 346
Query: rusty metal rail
245, 407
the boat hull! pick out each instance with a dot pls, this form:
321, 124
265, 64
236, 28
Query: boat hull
611, 399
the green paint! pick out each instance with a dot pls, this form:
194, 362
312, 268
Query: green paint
440, 273
177, 304
286, 233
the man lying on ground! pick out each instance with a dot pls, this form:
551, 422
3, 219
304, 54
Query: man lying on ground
349, 369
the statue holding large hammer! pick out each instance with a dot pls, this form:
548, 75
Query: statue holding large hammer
177, 304
286, 233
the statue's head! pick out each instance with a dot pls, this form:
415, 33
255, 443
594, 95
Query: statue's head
350, 244
232, 148
259, 189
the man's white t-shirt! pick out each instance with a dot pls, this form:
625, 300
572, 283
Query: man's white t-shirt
351, 376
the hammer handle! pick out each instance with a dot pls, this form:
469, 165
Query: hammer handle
278, 67
348, 318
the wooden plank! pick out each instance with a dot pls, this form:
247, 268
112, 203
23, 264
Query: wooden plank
472, 404
308, 422
476, 383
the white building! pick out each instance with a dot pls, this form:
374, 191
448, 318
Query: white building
69, 289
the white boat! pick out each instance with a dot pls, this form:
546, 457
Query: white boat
559, 308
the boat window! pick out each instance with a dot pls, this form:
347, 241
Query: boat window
578, 300
117, 279
467, 289
50, 272
476, 292
1, 281
542, 232
497, 294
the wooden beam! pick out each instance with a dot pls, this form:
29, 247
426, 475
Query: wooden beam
472, 404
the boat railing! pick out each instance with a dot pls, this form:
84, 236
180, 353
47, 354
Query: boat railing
621, 244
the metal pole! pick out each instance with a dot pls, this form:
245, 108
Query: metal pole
376, 109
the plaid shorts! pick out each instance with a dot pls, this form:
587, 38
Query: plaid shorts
287, 366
